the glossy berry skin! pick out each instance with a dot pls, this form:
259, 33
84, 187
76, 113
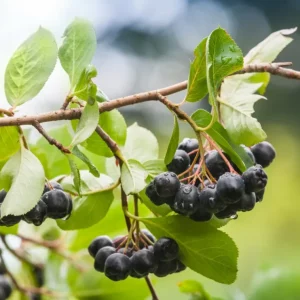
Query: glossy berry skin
153, 196
226, 213
166, 184
246, 203
144, 262
54, 185
215, 164
117, 267
260, 195
187, 200
2, 195
180, 162
102, 256
189, 145
166, 268
230, 188
166, 249
264, 153
201, 215
5, 287
255, 179
37, 215
58, 204
208, 199
98, 243
10, 220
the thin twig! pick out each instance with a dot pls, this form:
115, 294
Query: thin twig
66, 102
151, 288
108, 140
6, 112
51, 140
125, 208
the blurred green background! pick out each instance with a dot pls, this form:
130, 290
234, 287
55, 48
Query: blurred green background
149, 44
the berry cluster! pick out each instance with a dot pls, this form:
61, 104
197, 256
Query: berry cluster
221, 189
119, 258
5, 286
54, 204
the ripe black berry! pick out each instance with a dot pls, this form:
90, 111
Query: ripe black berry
189, 145
2, 196
264, 153
180, 162
166, 249
180, 266
165, 268
230, 188
102, 256
58, 204
5, 287
209, 201
37, 215
98, 243
166, 184
117, 267
246, 203
215, 164
255, 179
10, 220
260, 195
201, 215
52, 185
186, 199
153, 196
228, 212
144, 262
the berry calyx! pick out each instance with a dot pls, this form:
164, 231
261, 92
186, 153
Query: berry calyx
255, 179
102, 256
98, 243
264, 153
186, 200
188, 145
230, 188
180, 162
166, 249
117, 267
166, 184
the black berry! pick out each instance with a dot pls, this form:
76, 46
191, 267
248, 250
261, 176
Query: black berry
209, 201
98, 243
230, 188
52, 185
37, 215
59, 204
102, 256
260, 195
264, 153
5, 287
10, 220
255, 179
187, 199
166, 249
180, 162
228, 212
165, 268
144, 262
201, 215
166, 184
153, 196
215, 164
180, 266
189, 145
117, 267
246, 203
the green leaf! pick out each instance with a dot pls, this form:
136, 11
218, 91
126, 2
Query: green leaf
54, 161
23, 177
78, 48
219, 134
197, 85
236, 110
133, 176
9, 230
86, 160
83, 87
87, 123
223, 57
173, 143
203, 248
155, 167
141, 144
237, 96
114, 125
90, 209
75, 172
9, 142
30, 67
195, 288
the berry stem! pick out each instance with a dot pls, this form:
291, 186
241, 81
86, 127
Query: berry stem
125, 208
136, 213
190, 168
151, 288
